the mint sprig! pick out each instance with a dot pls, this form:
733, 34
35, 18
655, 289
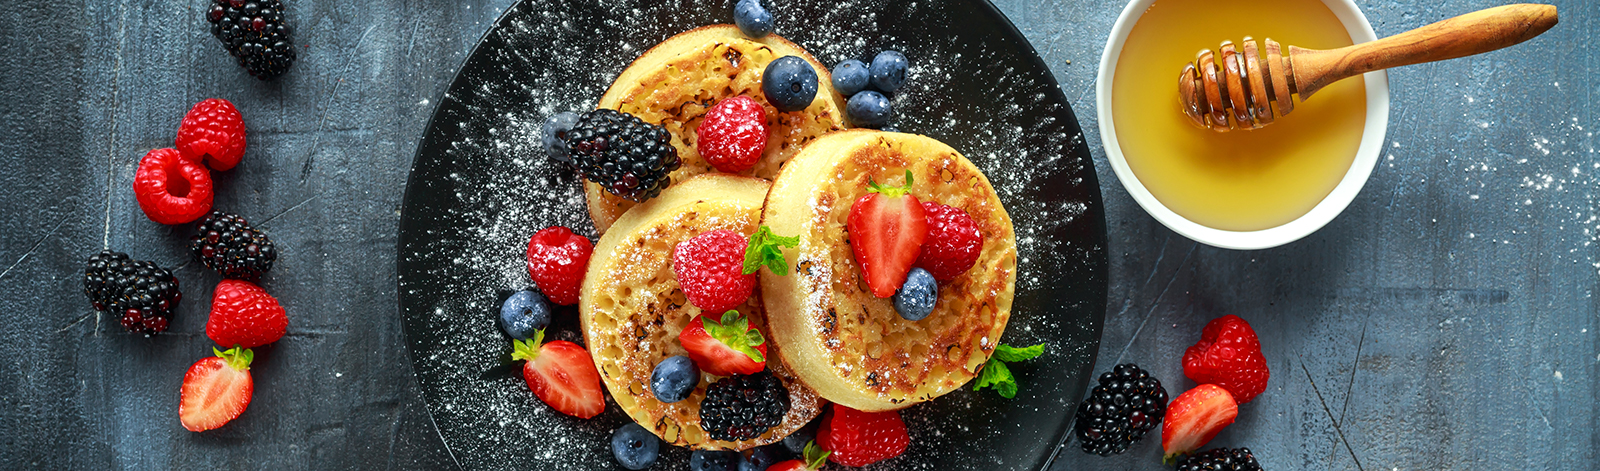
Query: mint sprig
997, 376
765, 250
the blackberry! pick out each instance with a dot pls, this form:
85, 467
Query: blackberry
1221, 459
623, 154
254, 32
1127, 404
742, 407
226, 243
141, 293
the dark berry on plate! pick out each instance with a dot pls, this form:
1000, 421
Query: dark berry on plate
889, 71
634, 447
623, 154
762, 457
1126, 405
523, 314
742, 407
256, 33
850, 77
554, 135
674, 378
141, 294
868, 109
713, 460
789, 83
1220, 459
914, 300
753, 18
226, 243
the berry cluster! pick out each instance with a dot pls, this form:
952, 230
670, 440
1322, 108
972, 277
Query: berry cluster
906, 247
620, 152
142, 294
870, 86
742, 407
256, 33
1127, 404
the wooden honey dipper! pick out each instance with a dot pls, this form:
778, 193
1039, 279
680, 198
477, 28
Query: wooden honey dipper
1241, 86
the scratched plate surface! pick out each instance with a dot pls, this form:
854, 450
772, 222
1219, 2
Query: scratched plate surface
480, 186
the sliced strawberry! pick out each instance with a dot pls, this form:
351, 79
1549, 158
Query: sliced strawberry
216, 389
813, 459
562, 374
887, 227
725, 348
1194, 417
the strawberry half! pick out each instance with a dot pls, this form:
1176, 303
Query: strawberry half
813, 459
562, 374
725, 348
1228, 355
887, 227
216, 389
1193, 418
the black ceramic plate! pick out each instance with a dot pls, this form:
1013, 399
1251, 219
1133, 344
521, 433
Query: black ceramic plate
480, 187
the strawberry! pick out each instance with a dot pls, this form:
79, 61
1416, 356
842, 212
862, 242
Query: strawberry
557, 261
1228, 355
562, 374
953, 242
858, 438
710, 269
1194, 417
216, 389
813, 459
171, 190
243, 314
733, 134
725, 348
212, 132
887, 227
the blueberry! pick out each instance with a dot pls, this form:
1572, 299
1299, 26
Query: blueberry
789, 83
762, 457
914, 300
523, 313
753, 18
850, 77
889, 71
796, 442
634, 447
554, 135
718, 460
868, 109
674, 378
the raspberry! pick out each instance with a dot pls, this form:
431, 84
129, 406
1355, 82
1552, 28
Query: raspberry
733, 134
710, 269
557, 260
953, 242
1228, 355
171, 190
859, 438
243, 314
212, 132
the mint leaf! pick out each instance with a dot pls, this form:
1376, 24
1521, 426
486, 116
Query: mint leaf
1007, 353
765, 249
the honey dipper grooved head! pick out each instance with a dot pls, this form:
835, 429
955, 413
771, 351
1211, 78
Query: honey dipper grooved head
1236, 87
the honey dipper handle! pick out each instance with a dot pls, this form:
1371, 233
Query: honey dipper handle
1473, 33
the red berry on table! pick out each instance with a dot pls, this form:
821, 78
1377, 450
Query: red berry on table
216, 390
561, 374
813, 459
557, 261
710, 269
725, 348
243, 314
953, 242
733, 134
171, 190
1228, 355
1194, 417
213, 133
857, 438
887, 228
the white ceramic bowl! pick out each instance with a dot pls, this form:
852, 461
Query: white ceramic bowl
1377, 122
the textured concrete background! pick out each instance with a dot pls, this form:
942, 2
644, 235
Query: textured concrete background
1445, 321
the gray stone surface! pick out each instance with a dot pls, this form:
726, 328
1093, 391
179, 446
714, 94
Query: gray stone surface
1445, 321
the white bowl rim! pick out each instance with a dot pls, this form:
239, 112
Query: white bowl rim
1372, 136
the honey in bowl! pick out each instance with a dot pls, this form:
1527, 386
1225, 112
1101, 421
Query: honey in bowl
1244, 180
